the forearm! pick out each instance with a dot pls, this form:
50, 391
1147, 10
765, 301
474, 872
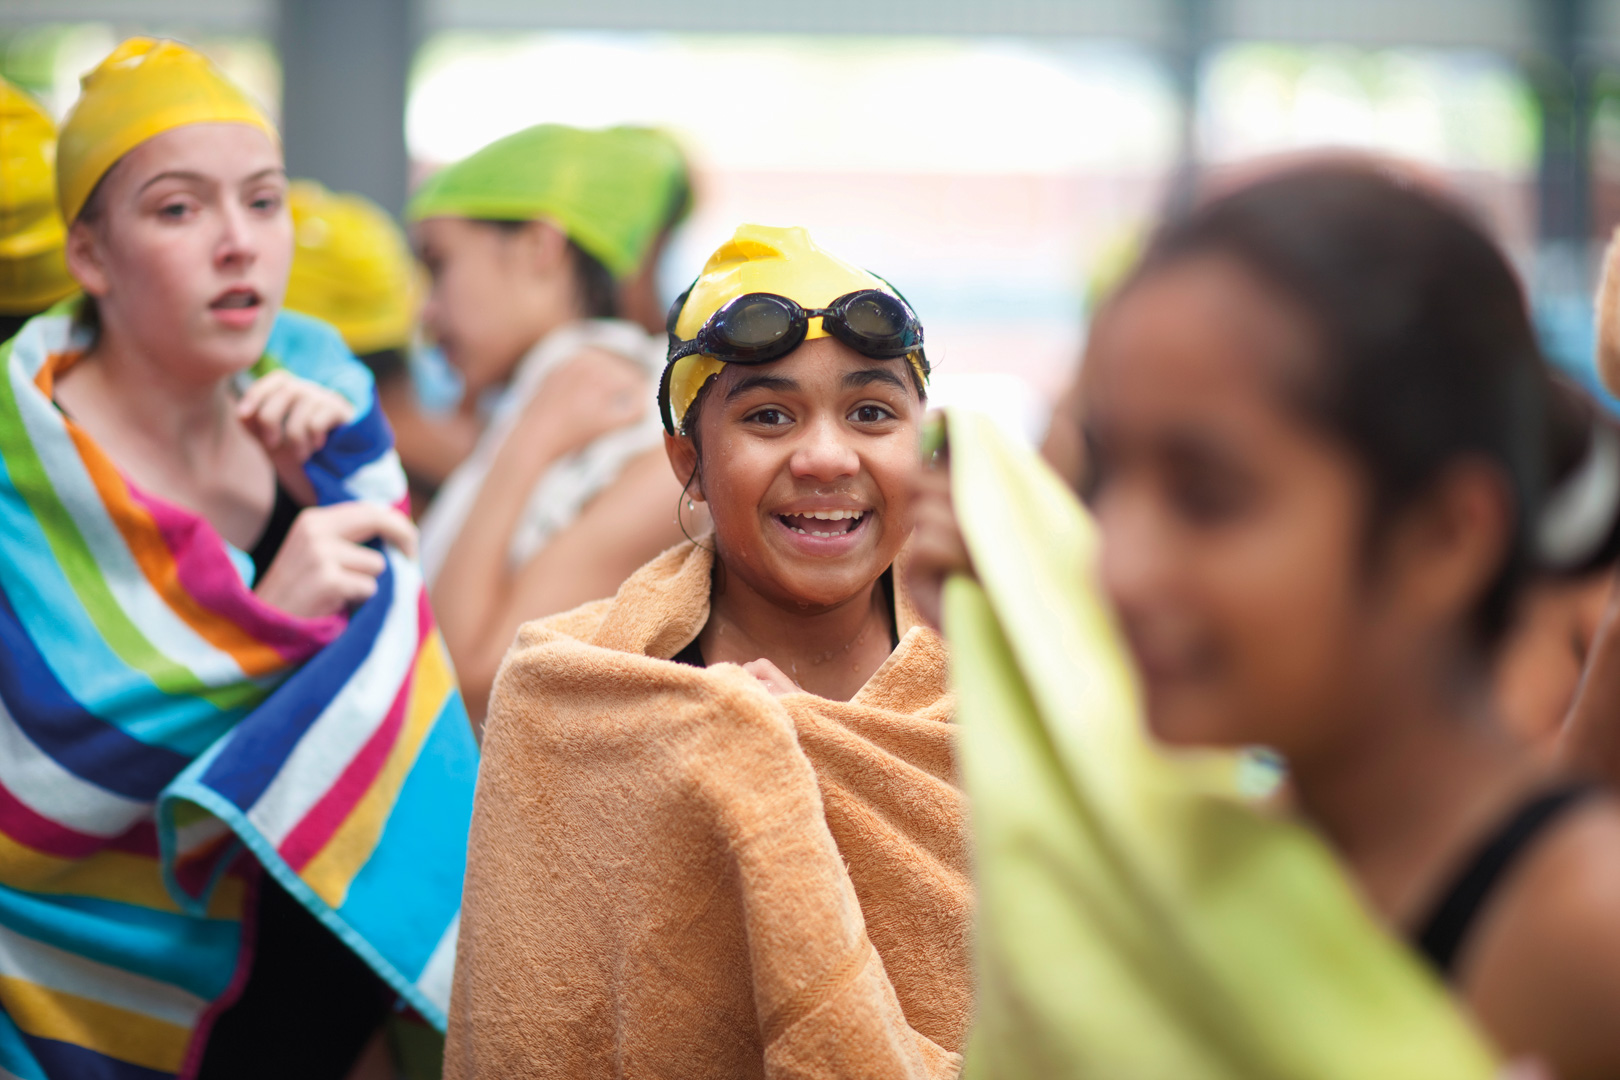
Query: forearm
621, 529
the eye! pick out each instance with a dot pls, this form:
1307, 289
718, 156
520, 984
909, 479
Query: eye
266, 204
173, 210
870, 414
1208, 497
768, 417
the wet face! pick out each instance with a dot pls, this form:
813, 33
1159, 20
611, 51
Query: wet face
1233, 533
482, 308
805, 467
188, 246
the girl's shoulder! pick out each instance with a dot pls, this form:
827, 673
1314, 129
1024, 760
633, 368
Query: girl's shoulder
1543, 971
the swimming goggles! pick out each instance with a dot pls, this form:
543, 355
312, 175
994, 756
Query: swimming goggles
757, 328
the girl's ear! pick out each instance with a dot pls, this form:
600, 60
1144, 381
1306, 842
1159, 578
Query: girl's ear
84, 258
683, 458
545, 248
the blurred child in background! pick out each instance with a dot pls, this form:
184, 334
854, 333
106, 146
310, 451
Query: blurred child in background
353, 267
529, 244
33, 272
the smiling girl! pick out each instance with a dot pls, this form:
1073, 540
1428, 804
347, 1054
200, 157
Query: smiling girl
224, 712
750, 861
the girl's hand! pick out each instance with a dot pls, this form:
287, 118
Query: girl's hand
772, 677
591, 395
937, 547
291, 416
324, 567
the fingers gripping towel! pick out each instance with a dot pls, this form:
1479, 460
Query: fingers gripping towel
673, 873
1137, 919
164, 735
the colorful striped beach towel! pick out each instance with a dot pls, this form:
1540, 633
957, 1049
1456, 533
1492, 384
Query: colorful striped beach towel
162, 731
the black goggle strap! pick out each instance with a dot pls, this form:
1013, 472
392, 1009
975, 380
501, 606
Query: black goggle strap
922, 357
676, 308
666, 408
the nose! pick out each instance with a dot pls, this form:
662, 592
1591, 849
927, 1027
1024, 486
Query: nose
824, 453
238, 244
1132, 559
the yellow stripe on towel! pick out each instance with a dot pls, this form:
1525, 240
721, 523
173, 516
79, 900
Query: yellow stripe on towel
336, 864
106, 1029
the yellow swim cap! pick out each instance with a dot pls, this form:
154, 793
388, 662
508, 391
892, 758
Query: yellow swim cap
143, 88
33, 274
351, 267
761, 259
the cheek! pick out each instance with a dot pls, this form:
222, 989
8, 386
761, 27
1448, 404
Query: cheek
894, 468
1282, 605
161, 274
737, 474
276, 254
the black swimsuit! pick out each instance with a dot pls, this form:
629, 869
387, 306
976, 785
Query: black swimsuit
1444, 933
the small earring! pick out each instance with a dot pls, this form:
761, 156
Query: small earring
689, 505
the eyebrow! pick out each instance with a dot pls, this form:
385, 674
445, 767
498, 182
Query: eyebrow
183, 174
761, 382
854, 380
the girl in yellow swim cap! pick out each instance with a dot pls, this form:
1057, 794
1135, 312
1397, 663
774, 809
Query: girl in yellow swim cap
220, 680
721, 807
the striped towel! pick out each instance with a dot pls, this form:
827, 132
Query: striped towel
162, 731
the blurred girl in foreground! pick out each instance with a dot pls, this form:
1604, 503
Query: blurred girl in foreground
535, 244
720, 809
1315, 420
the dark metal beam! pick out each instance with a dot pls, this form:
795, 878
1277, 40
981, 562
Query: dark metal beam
344, 69
1563, 81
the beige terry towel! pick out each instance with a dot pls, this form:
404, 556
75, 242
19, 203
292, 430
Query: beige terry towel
674, 874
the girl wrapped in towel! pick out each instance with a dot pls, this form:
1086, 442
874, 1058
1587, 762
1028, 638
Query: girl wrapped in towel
718, 831
235, 771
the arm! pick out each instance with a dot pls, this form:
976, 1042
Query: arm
479, 600
1542, 976
619, 530
430, 447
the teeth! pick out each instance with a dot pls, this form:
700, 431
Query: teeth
832, 515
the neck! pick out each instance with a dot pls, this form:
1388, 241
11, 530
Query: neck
170, 410
1402, 800
832, 652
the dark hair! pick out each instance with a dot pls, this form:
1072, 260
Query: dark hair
87, 313
10, 324
1427, 353
598, 293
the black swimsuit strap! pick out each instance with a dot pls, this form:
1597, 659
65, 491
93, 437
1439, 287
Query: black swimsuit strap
1443, 933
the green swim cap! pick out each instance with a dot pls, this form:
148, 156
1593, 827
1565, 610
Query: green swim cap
612, 191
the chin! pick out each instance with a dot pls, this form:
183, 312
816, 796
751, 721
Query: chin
1175, 720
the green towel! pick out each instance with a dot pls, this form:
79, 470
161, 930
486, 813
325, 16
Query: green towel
1138, 920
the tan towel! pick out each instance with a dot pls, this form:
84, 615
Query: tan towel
674, 874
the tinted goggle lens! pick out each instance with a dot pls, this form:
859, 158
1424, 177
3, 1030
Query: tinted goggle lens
753, 323
877, 320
